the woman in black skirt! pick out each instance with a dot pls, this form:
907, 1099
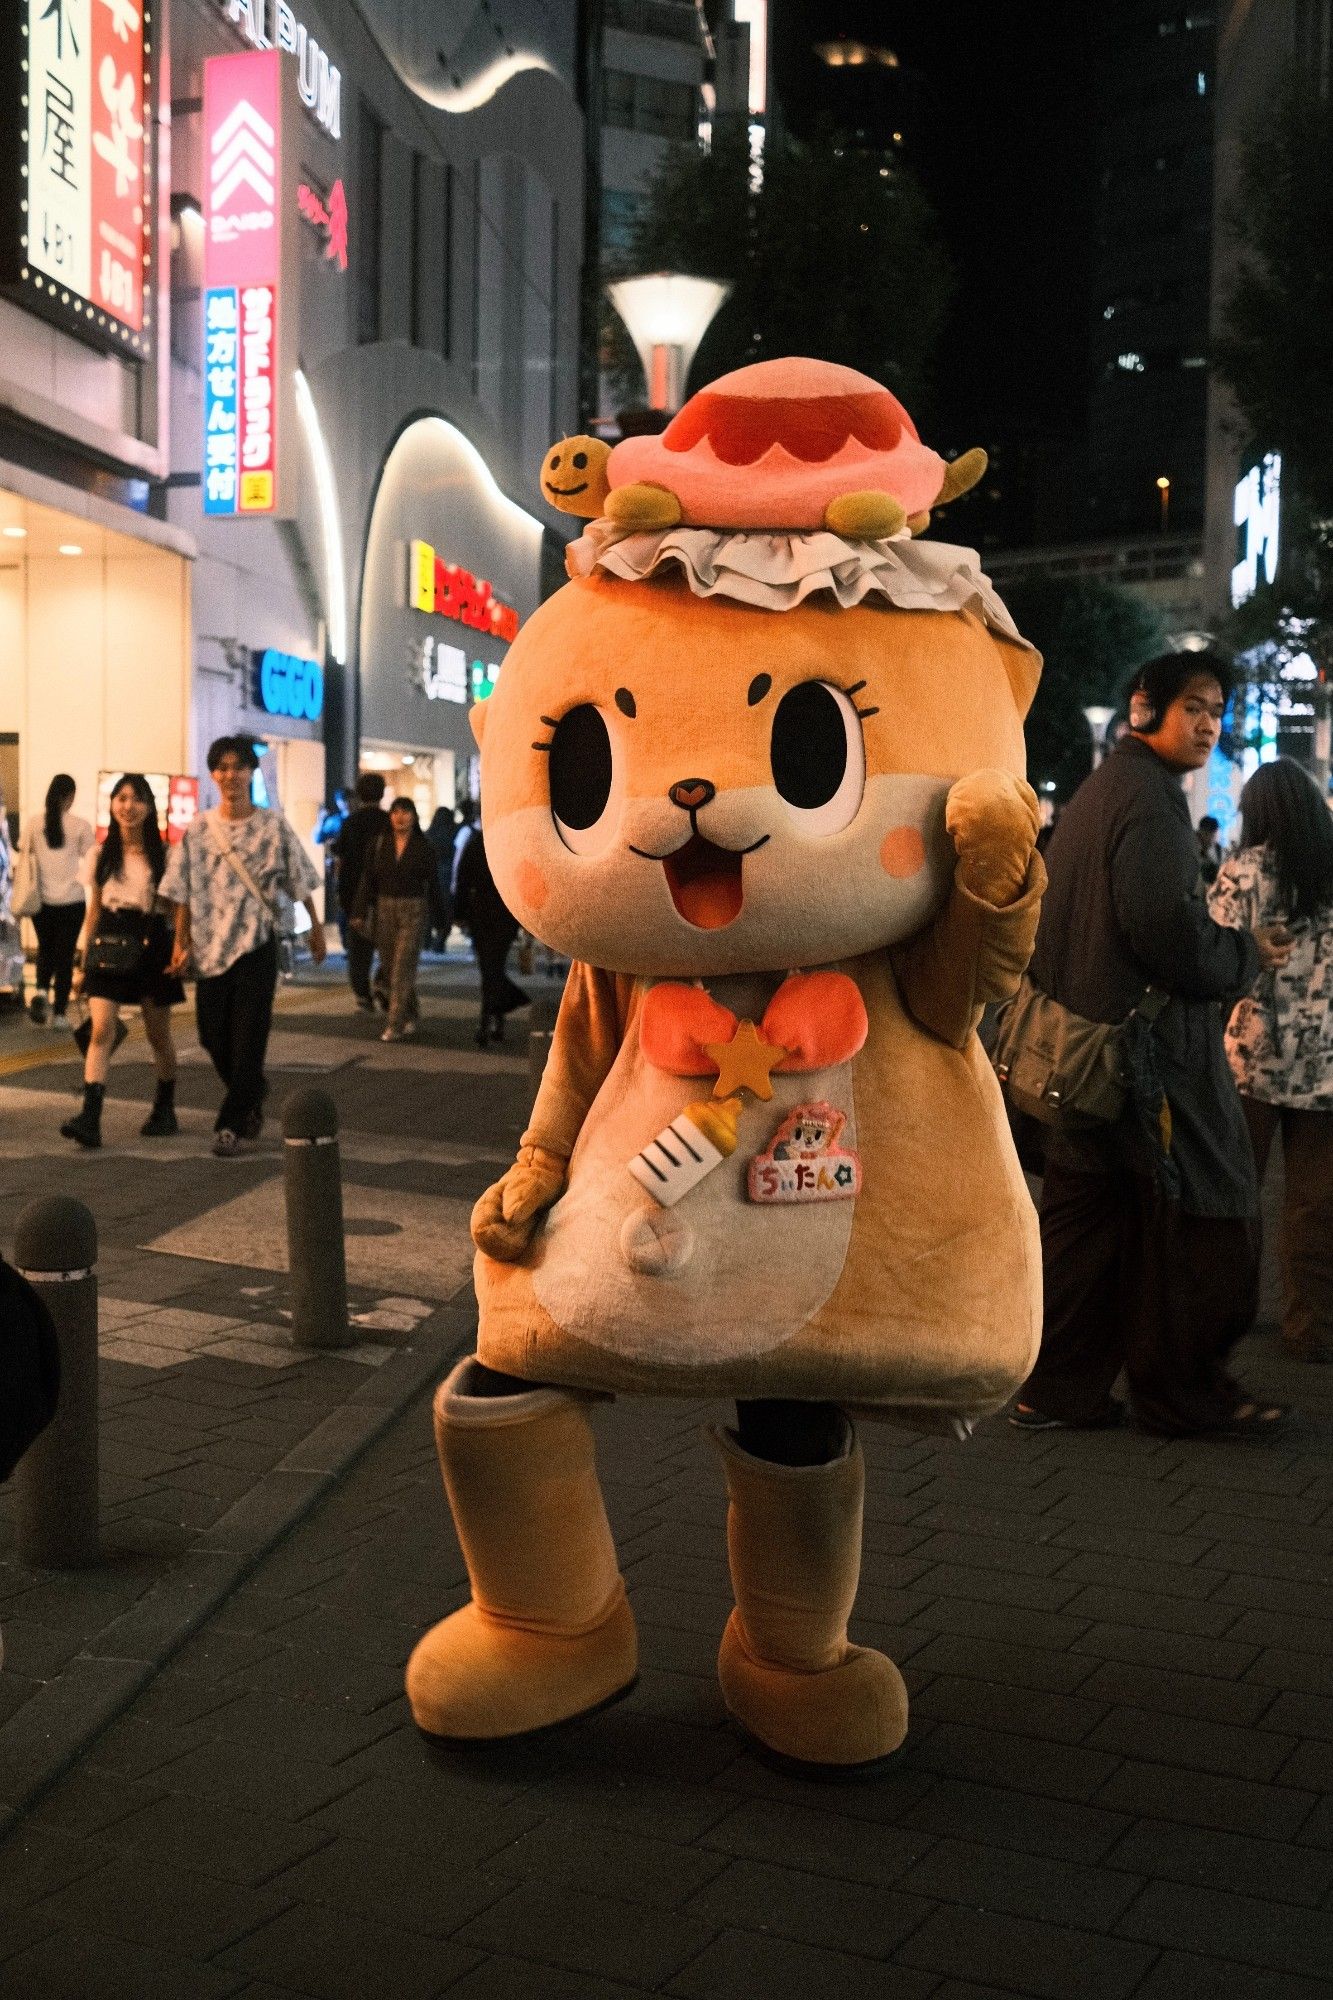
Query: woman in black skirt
122, 957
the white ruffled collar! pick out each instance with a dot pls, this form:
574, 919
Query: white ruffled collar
776, 572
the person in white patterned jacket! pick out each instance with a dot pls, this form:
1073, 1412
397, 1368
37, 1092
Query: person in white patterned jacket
227, 878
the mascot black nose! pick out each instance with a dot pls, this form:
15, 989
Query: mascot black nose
691, 793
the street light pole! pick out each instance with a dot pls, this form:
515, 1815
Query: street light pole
1099, 719
667, 315
1164, 488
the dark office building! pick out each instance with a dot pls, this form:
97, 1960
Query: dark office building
1153, 65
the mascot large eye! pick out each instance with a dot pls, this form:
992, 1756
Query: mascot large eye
583, 787
819, 757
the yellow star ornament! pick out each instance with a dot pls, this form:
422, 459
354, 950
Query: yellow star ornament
745, 1062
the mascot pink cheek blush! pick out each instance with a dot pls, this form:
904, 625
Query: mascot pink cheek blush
902, 852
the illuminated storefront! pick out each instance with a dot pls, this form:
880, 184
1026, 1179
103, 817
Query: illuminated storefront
94, 650
452, 568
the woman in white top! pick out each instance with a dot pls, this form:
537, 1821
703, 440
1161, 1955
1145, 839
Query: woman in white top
1280, 1036
58, 840
122, 960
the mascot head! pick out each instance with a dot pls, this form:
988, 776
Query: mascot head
717, 751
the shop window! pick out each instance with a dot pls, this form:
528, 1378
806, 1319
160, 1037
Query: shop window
370, 173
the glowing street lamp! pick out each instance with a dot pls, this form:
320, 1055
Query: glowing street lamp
1164, 488
1099, 719
667, 316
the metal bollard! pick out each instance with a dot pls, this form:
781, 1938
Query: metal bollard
315, 1252
55, 1483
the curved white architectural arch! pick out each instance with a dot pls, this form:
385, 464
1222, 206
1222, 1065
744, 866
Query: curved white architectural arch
335, 576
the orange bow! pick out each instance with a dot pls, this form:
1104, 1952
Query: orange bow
817, 1018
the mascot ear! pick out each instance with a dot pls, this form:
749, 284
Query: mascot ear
476, 715
1022, 669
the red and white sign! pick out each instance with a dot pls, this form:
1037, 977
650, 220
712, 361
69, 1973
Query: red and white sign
242, 254
89, 157
451, 591
242, 123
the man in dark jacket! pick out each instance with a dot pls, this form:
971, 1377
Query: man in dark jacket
351, 851
1149, 1229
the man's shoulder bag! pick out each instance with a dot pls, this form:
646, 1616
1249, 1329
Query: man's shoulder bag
1064, 1070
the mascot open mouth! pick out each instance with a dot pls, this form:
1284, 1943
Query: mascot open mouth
705, 883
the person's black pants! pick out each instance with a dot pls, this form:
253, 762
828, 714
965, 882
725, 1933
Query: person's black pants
785, 1433
234, 1012
1132, 1282
58, 926
360, 958
499, 994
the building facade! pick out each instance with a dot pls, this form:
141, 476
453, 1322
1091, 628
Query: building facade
1153, 61
306, 501
1285, 708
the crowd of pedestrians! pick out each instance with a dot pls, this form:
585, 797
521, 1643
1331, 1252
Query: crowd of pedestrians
1220, 963
1150, 1222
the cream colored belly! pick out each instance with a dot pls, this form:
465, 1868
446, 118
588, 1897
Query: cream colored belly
734, 1279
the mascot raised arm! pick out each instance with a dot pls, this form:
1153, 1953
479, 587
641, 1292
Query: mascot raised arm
762, 781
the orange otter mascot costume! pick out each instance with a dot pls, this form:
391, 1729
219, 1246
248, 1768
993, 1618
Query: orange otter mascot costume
762, 781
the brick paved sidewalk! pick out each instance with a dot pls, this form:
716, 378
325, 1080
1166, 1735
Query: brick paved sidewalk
1119, 1651
215, 1435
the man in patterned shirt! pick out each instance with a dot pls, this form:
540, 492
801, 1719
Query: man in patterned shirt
226, 878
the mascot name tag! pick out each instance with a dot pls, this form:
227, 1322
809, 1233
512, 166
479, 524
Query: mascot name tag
804, 1161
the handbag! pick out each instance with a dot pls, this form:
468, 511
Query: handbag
83, 1034
26, 895
1062, 1069
115, 953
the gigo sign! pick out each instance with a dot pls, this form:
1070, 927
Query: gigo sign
243, 382
451, 592
284, 684
82, 101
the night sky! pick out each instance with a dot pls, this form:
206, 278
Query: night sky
1001, 148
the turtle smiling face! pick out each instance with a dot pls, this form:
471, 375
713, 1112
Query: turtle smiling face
685, 786
574, 476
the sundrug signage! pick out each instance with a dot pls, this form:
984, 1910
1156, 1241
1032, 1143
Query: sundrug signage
453, 592
271, 24
243, 384
80, 237
284, 684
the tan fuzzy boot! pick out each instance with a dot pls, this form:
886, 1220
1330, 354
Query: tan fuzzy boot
789, 1675
548, 1634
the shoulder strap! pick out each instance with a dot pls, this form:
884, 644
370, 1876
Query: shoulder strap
238, 867
1150, 1003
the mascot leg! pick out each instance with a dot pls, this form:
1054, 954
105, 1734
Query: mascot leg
548, 1634
789, 1675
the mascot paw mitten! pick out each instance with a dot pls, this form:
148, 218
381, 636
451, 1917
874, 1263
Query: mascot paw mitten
789, 1674
992, 819
548, 1634
505, 1219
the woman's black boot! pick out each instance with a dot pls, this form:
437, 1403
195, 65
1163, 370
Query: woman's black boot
86, 1124
161, 1121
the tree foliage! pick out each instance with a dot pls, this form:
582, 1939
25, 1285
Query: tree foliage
1275, 353
1275, 350
1092, 636
832, 254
